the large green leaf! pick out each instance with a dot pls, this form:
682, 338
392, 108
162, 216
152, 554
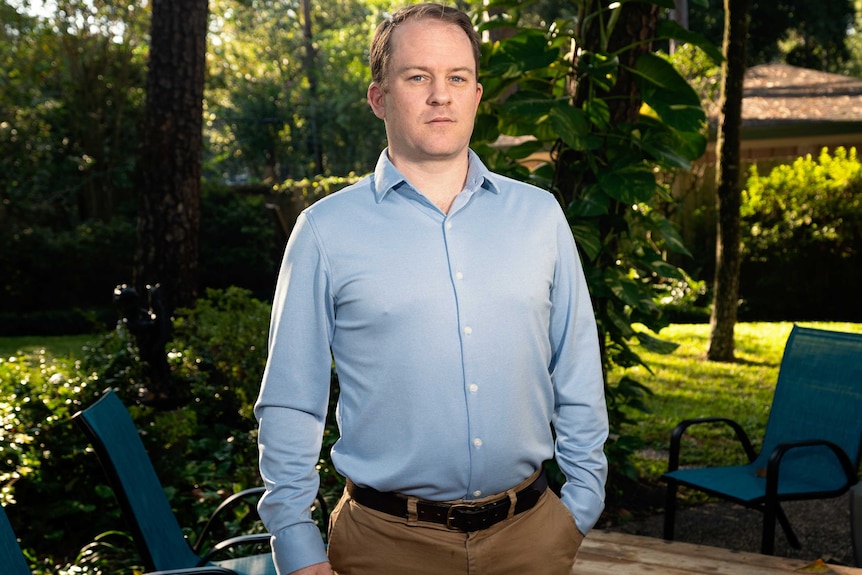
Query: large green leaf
592, 202
669, 94
672, 239
663, 269
656, 345
661, 147
527, 103
602, 69
524, 52
673, 31
669, 146
531, 47
486, 128
588, 239
599, 113
629, 292
658, 73
525, 149
571, 125
630, 184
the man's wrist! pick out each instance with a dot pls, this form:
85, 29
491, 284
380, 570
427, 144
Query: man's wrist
316, 569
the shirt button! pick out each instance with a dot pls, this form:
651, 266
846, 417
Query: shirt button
448, 225
473, 388
477, 494
477, 442
468, 330
459, 275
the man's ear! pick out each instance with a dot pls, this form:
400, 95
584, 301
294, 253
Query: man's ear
479, 91
376, 96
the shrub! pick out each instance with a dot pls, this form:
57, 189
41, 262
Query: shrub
239, 240
54, 269
801, 232
44, 473
203, 450
59, 281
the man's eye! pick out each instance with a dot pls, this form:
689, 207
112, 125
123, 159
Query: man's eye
458, 79
417, 78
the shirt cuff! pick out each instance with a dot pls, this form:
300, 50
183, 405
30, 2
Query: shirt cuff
296, 547
585, 506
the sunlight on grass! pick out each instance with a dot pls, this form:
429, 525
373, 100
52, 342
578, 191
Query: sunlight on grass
686, 385
56, 346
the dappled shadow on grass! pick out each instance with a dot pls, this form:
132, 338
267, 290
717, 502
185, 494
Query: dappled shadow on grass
745, 362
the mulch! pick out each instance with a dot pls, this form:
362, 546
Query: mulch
822, 526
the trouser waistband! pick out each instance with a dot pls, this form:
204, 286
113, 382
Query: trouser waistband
457, 516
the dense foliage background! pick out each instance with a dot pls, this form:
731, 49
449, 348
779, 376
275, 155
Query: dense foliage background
71, 106
203, 451
285, 123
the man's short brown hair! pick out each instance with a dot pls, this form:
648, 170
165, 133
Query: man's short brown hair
381, 45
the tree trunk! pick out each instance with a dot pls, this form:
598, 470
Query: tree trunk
169, 176
637, 22
315, 150
726, 283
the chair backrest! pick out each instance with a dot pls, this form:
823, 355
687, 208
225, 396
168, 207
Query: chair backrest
11, 557
144, 504
818, 396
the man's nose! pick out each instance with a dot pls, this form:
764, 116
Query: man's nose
440, 94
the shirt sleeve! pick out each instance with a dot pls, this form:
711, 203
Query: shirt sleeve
291, 407
580, 417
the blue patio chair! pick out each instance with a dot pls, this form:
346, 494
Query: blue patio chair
143, 502
811, 448
11, 557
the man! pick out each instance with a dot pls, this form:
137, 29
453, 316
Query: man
454, 305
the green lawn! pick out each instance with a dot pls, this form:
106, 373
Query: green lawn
683, 383
57, 346
686, 385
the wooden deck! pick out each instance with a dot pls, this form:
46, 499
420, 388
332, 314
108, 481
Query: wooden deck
605, 552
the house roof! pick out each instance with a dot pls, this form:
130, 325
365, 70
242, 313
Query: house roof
788, 111
778, 94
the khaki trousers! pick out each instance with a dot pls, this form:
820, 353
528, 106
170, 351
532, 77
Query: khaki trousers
541, 541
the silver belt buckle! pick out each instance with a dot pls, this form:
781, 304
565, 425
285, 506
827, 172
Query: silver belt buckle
449, 511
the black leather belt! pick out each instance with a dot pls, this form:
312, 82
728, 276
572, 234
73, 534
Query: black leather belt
464, 516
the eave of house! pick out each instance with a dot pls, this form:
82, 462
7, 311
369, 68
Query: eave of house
789, 111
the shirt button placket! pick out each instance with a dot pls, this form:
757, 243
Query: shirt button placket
472, 388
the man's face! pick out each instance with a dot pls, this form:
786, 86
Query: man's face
430, 96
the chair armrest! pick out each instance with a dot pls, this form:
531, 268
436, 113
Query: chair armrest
680, 429
239, 497
774, 462
229, 503
234, 542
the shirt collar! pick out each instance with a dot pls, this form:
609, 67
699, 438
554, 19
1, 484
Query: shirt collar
388, 178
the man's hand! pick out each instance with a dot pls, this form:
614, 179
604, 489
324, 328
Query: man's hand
316, 569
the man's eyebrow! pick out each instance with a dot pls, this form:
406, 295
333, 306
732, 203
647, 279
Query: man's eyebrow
457, 69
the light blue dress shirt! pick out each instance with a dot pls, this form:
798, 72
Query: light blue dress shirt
459, 340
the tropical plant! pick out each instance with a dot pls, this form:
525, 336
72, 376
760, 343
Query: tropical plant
599, 116
204, 450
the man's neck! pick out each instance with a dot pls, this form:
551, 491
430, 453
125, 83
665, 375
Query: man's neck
439, 181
